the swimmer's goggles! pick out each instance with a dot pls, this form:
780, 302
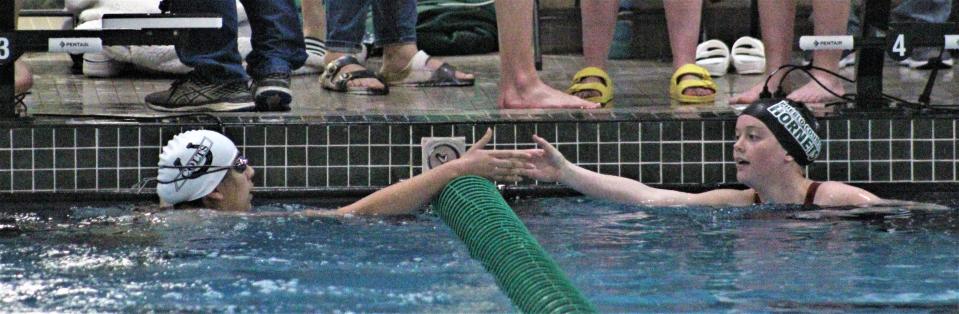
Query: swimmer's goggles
240, 163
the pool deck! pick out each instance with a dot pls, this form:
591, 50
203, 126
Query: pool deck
91, 136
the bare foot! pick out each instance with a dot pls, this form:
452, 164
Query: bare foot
23, 80
539, 95
752, 94
813, 93
363, 82
695, 91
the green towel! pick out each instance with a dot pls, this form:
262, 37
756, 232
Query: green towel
456, 30
444, 30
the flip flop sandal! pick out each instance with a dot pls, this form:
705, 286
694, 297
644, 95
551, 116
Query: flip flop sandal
417, 74
676, 87
714, 56
335, 81
315, 50
749, 56
605, 89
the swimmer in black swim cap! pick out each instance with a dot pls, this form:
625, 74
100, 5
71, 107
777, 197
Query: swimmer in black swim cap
774, 140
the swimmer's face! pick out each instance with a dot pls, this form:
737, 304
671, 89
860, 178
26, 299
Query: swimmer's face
757, 152
236, 190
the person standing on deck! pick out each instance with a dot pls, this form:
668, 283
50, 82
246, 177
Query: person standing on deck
218, 81
404, 64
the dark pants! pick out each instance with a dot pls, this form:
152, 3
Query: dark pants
277, 39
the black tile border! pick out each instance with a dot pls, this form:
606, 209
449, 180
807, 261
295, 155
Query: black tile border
81, 157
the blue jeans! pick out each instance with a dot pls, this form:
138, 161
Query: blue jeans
394, 22
277, 40
929, 11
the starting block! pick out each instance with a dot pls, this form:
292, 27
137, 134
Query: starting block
118, 29
161, 21
878, 37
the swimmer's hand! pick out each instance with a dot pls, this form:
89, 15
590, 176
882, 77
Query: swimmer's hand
497, 165
549, 165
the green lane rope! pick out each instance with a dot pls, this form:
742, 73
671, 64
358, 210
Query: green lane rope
480, 217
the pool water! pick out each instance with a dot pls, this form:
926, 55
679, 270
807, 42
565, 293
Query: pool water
623, 258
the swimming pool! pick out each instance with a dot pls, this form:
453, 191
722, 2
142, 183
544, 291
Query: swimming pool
623, 258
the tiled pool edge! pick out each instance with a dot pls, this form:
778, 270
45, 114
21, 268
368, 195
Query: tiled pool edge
363, 153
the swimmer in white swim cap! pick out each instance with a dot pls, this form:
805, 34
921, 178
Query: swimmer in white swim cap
204, 169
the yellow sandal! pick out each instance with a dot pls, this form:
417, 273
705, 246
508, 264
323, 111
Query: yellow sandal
605, 89
676, 87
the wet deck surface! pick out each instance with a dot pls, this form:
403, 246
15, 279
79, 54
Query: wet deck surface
641, 86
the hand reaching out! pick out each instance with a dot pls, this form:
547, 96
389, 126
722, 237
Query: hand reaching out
497, 165
548, 163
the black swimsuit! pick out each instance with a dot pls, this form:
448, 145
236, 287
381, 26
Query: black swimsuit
810, 195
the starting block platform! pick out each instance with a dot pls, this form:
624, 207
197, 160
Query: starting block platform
118, 29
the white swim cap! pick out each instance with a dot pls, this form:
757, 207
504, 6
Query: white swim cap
187, 164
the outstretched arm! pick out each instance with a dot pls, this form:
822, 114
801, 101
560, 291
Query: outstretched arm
550, 165
409, 195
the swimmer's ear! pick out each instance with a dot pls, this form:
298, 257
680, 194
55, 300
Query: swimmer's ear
789, 158
216, 195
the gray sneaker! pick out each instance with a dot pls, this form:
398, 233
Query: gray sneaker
272, 92
196, 94
919, 59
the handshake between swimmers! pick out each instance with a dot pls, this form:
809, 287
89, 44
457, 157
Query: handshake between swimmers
774, 140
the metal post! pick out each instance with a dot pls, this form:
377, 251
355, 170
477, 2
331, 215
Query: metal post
537, 52
7, 38
871, 55
754, 29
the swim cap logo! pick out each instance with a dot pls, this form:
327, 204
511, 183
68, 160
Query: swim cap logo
797, 127
198, 164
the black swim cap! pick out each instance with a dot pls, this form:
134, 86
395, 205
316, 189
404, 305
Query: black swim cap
792, 124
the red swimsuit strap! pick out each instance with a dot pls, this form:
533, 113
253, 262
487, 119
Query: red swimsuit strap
811, 193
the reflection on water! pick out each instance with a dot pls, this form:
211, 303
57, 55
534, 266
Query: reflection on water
623, 258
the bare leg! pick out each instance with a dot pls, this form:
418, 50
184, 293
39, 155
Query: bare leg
314, 19
683, 20
23, 78
397, 57
777, 18
828, 19
520, 86
599, 23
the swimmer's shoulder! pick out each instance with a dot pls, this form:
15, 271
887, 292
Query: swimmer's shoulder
834, 193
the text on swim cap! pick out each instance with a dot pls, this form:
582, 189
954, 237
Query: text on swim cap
797, 127
198, 164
